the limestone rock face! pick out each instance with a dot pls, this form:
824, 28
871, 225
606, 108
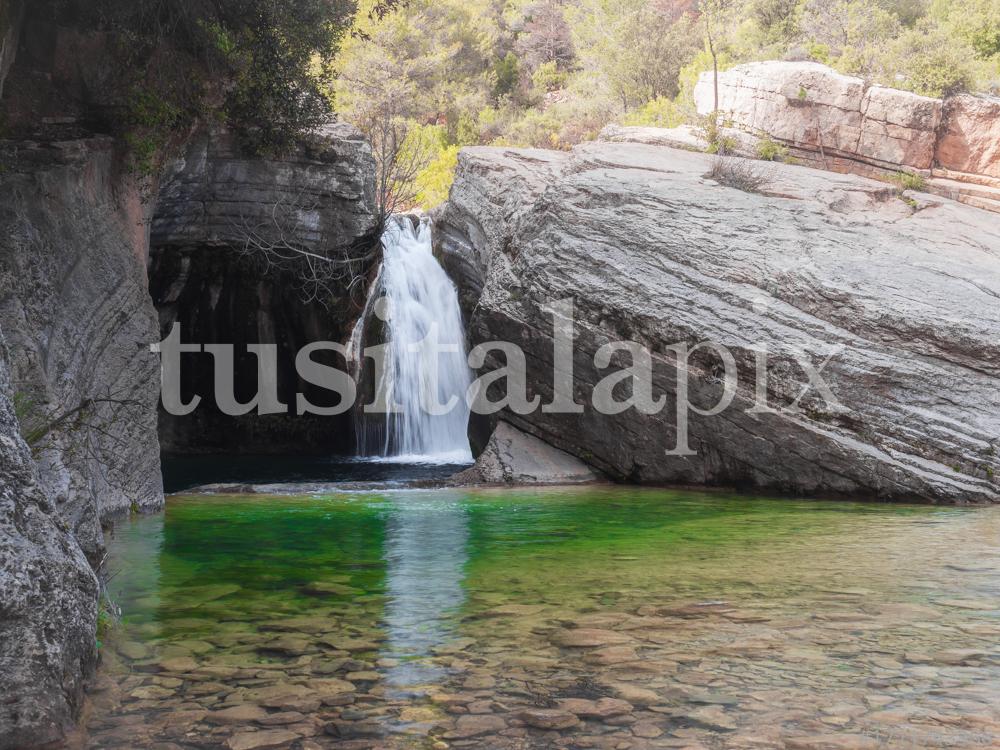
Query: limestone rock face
970, 141
324, 195
900, 305
214, 191
811, 106
49, 599
78, 319
514, 457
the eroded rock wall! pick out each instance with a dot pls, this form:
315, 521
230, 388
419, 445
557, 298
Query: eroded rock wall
651, 250
79, 320
48, 598
212, 198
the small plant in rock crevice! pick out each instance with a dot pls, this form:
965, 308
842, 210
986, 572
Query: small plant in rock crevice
909, 181
743, 174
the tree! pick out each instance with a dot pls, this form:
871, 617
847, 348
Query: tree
545, 37
857, 33
634, 48
713, 17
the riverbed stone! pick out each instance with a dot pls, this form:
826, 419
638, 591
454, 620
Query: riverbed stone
548, 718
262, 740
474, 725
588, 638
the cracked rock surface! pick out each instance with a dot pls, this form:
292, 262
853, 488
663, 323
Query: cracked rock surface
893, 304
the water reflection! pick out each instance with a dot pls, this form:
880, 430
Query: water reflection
425, 554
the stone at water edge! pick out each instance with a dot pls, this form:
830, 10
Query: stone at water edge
515, 457
262, 740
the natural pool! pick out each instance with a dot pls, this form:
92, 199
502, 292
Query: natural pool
606, 617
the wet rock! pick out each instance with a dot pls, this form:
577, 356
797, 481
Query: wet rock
263, 740
588, 638
179, 664
329, 588
151, 692
611, 655
364, 676
647, 730
350, 730
479, 682
833, 742
712, 717
132, 650
636, 695
418, 715
289, 646
603, 708
548, 718
242, 714
474, 725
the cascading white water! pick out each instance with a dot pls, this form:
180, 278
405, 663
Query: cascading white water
422, 313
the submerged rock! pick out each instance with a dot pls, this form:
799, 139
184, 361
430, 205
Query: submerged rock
892, 305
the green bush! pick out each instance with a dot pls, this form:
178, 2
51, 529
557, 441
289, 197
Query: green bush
507, 72
548, 77
661, 112
770, 150
909, 181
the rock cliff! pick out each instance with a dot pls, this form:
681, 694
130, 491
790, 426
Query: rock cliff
78, 320
838, 122
48, 598
325, 192
898, 300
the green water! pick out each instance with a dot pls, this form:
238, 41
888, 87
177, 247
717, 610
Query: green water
785, 607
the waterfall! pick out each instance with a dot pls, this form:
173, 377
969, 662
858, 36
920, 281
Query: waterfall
419, 303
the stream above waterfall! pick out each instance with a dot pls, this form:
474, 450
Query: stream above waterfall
603, 617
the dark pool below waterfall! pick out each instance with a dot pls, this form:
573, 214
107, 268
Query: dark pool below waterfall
606, 617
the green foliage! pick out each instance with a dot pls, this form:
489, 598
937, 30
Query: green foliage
659, 113
551, 73
718, 142
977, 22
930, 61
909, 181
770, 150
149, 120
268, 61
548, 77
507, 72
434, 181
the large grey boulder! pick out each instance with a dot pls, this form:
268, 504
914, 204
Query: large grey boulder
902, 299
48, 599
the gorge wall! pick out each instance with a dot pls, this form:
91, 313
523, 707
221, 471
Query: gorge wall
901, 298
211, 199
79, 386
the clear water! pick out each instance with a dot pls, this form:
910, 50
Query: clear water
182, 473
425, 373
409, 618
